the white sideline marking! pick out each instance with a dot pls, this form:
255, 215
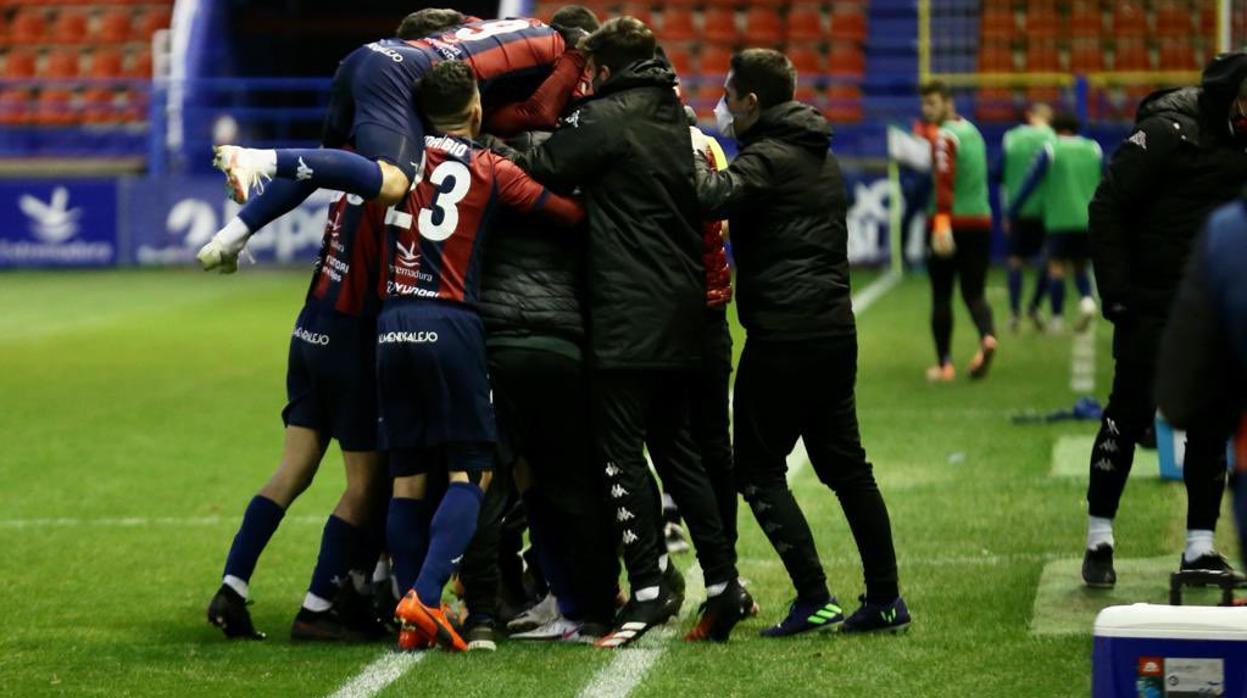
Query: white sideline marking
862, 300
630, 665
382, 672
139, 521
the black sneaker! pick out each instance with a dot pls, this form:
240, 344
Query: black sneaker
637, 618
721, 613
878, 617
325, 626
481, 634
228, 611
674, 583
358, 612
1209, 562
1097, 567
384, 602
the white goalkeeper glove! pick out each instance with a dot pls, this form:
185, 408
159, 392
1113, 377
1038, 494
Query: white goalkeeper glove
221, 252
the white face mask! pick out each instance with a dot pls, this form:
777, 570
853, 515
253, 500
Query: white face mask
724, 119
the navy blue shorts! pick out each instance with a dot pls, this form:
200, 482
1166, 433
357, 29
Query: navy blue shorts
432, 376
330, 378
1074, 247
1026, 238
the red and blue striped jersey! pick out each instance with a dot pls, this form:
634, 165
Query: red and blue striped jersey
347, 269
525, 74
433, 243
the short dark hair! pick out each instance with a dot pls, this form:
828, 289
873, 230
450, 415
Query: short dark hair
620, 42
935, 87
766, 73
575, 17
1065, 123
430, 20
446, 91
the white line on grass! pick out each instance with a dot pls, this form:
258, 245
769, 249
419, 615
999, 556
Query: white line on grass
862, 300
382, 672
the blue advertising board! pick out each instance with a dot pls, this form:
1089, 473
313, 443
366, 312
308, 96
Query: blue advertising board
58, 223
168, 219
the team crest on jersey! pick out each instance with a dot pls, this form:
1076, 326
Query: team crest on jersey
573, 119
1139, 139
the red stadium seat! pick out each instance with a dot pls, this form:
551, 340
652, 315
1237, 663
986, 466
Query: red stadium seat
680, 59
1129, 20
804, 23
848, 26
1042, 25
995, 104
639, 10
843, 104
70, 26
677, 25
97, 106
1041, 7
106, 63
1173, 19
15, 106
1086, 56
714, 60
806, 92
997, 24
1051, 96
807, 59
140, 64
61, 63
1178, 54
1042, 56
719, 25
763, 26
19, 64
846, 60
54, 107
1131, 55
1086, 21
149, 22
29, 26
114, 26
996, 56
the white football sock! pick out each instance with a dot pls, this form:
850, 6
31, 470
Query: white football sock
715, 589
1198, 543
234, 235
646, 594
315, 604
237, 585
1099, 531
382, 571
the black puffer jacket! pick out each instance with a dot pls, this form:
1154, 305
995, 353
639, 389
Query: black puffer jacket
532, 275
785, 202
1181, 162
629, 151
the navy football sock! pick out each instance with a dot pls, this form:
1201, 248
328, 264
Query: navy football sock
1056, 289
1041, 287
1015, 290
449, 535
1082, 282
338, 541
279, 197
259, 522
329, 168
407, 537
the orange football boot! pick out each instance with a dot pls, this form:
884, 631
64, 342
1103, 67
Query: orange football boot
431, 621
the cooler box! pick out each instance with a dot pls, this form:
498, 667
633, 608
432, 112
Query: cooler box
1152, 651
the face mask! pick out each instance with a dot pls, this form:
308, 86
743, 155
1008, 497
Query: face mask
724, 119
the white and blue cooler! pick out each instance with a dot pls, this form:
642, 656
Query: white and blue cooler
1153, 651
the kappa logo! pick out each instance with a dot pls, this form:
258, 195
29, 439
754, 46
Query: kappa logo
52, 222
1109, 446
573, 119
1139, 138
618, 492
623, 515
611, 470
629, 537
1104, 464
303, 172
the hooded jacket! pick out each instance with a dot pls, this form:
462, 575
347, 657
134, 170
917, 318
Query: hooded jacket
532, 278
629, 150
785, 202
1181, 162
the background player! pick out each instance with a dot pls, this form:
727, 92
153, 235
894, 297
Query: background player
1025, 231
431, 363
1062, 180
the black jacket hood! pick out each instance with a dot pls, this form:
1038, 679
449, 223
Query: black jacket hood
653, 72
792, 122
1205, 108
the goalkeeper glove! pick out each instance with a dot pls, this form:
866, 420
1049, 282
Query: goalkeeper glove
942, 236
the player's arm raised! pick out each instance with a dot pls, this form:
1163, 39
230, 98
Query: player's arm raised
542, 109
518, 191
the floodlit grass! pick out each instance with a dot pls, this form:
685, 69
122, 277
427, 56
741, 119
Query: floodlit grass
156, 395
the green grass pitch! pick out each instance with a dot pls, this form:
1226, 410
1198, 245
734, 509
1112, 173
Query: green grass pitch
140, 410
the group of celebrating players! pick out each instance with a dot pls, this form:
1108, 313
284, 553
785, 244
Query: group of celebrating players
452, 428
